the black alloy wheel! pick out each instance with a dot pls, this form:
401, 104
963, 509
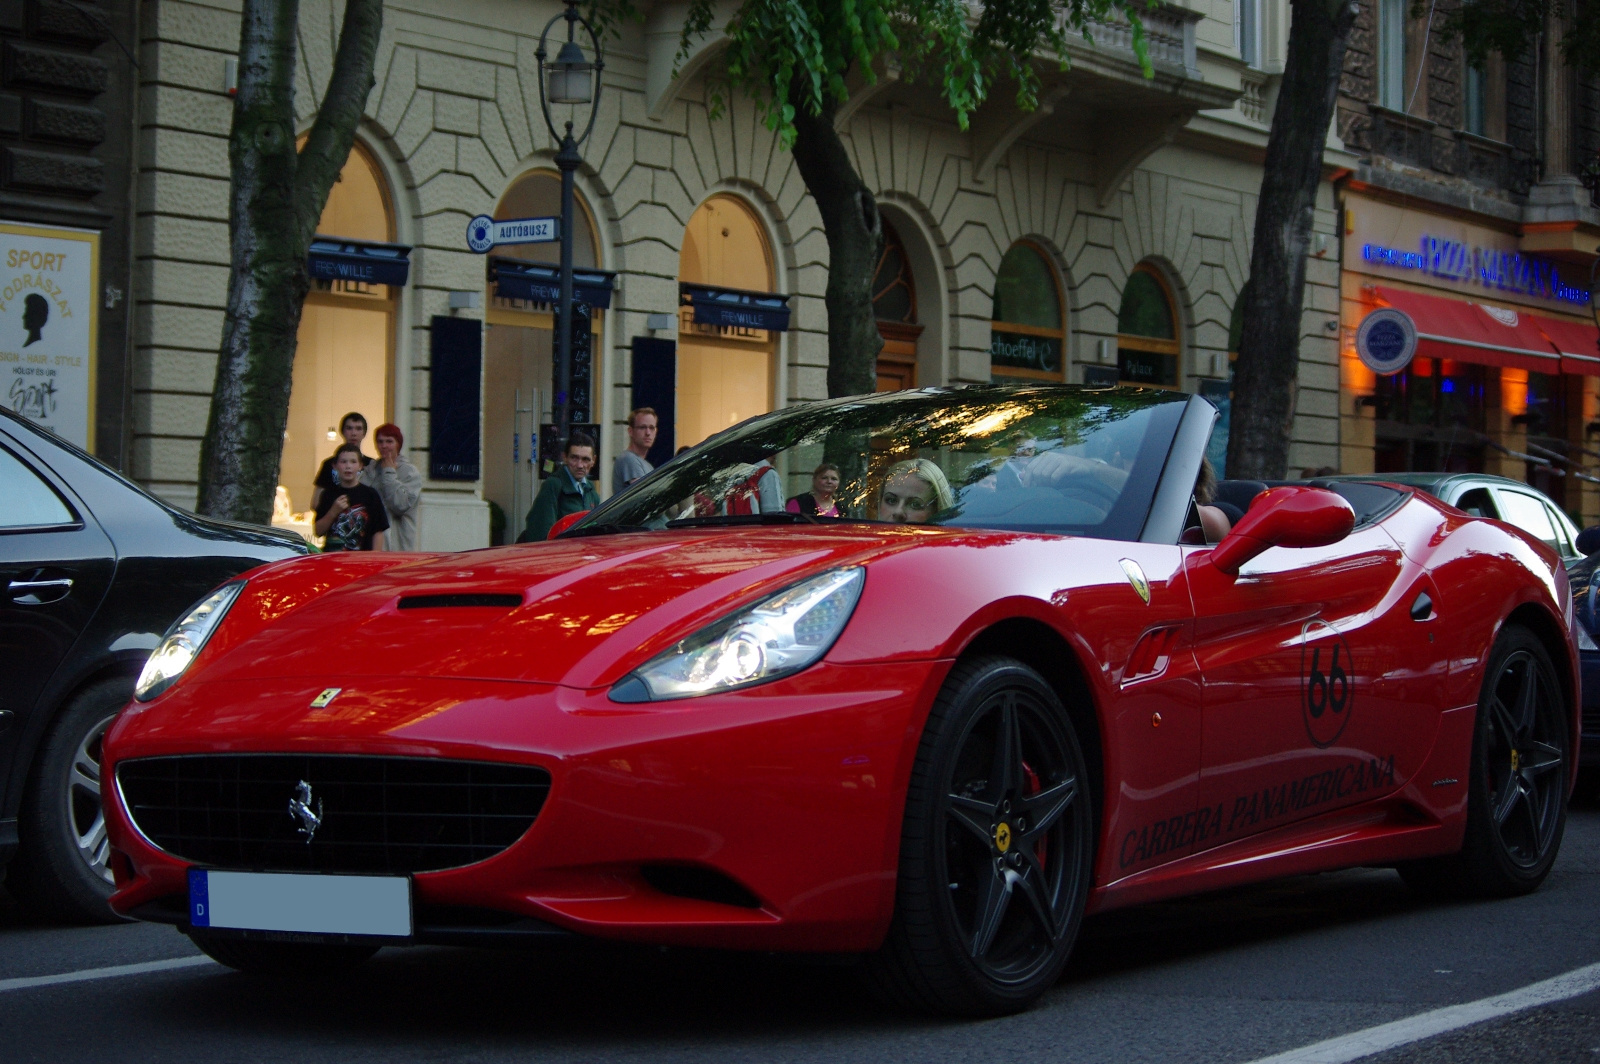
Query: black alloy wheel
1524, 757
1517, 785
997, 848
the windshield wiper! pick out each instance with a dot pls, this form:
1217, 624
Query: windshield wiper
602, 529
781, 517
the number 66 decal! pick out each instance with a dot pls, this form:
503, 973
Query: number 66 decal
1327, 682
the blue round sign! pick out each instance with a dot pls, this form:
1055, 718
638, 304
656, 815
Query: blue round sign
1387, 341
480, 233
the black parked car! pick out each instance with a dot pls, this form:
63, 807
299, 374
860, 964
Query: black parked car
93, 570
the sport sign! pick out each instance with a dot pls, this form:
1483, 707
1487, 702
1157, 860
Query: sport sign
483, 232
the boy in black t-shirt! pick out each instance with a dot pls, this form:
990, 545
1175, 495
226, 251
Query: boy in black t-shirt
354, 428
351, 515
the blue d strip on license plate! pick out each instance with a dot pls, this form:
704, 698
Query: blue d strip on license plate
309, 904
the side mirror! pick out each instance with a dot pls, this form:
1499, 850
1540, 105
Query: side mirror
1292, 516
566, 523
1589, 540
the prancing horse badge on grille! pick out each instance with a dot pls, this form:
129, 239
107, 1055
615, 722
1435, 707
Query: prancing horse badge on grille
300, 809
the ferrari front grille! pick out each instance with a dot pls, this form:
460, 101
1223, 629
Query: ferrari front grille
330, 813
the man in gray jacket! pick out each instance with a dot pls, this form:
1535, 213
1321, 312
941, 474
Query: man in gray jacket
399, 484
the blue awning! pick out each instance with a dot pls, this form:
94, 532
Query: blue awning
333, 258
736, 308
540, 282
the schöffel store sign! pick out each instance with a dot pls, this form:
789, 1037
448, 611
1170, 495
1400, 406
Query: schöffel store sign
1491, 268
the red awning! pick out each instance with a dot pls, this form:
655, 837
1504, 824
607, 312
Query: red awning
1472, 332
1578, 343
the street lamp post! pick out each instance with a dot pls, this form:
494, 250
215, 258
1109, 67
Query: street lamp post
573, 80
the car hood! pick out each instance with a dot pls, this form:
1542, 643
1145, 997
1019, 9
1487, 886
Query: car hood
580, 612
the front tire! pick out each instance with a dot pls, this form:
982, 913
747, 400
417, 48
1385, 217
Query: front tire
1517, 782
997, 848
281, 960
60, 869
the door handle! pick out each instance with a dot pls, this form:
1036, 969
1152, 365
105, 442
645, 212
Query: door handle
39, 592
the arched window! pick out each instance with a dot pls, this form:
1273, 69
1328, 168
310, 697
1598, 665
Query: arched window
724, 374
894, 302
519, 345
1147, 332
1026, 337
345, 353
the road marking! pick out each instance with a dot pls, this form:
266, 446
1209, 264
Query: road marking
1388, 1036
86, 974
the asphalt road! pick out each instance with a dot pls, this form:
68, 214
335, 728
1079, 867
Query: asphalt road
1227, 978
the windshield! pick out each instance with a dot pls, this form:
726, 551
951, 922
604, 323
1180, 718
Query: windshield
1057, 459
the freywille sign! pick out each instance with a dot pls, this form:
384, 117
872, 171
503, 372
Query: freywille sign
48, 322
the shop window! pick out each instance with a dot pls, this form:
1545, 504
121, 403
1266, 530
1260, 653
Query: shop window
519, 354
344, 358
894, 303
1431, 417
1026, 337
725, 375
1147, 334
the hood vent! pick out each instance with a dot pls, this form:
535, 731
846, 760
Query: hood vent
449, 601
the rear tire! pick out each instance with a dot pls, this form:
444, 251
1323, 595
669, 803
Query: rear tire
997, 849
1517, 782
281, 960
60, 869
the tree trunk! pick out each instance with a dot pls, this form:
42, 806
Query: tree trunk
854, 230
277, 197
1266, 375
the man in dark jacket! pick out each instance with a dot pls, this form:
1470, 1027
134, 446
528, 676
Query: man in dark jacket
567, 491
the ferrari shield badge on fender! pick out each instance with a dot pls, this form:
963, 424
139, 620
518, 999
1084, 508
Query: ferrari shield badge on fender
1137, 579
328, 695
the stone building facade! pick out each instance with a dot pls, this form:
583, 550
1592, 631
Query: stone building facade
1467, 211
1128, 202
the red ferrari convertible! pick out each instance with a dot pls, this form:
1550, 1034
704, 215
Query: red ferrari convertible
997, 680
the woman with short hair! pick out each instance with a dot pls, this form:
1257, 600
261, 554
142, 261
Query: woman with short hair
399, 484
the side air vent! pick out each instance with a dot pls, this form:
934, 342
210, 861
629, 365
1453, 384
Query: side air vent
444, 602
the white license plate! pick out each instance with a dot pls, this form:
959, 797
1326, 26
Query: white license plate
311, 904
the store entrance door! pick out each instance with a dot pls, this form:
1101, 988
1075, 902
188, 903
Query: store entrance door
517, 364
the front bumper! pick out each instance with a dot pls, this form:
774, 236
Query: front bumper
761, 819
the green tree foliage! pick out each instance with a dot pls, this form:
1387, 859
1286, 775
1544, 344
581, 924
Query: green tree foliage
1511, 27
793, 58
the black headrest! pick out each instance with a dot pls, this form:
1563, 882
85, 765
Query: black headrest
1239, 493
1589, 540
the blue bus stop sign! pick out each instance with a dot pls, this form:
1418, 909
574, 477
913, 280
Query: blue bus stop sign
1387, 341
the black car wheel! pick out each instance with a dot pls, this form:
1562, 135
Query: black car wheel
281, 960
1517, 783
61, 867
996, 849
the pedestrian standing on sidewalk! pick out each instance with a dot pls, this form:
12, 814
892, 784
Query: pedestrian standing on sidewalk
354, 428
631, 465
566, 491
350, 515
399, 484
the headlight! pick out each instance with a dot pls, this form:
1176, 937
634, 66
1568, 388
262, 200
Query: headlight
183, 642
778, 637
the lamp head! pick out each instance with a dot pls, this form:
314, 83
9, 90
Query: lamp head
571, 77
